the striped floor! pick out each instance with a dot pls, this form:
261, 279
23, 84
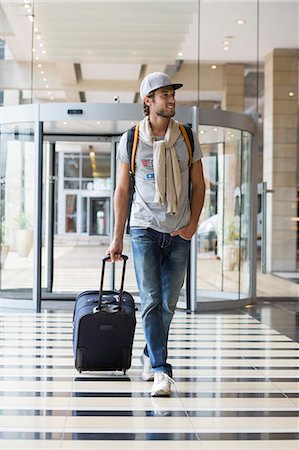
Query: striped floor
236, 388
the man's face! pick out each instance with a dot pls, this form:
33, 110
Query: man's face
163, 102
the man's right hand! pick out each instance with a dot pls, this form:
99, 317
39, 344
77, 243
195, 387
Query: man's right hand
115, 250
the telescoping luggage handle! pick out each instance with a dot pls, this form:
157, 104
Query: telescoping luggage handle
107, 259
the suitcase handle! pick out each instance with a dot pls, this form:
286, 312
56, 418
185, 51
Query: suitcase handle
107, 259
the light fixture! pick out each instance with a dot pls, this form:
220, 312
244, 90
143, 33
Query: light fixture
64, 123
30, 17
291, 94
44, 79
180, 54
214, 67
240, 22
39, 65
226, 48
44, 52
41, 44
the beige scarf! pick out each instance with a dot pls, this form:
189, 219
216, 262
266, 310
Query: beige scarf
165, 162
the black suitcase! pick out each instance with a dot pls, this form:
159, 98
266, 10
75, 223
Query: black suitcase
103, 327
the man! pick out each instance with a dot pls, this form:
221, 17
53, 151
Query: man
164, 218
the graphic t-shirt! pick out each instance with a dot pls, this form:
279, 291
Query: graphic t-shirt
145, 213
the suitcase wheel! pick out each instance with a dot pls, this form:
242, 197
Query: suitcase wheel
80, 359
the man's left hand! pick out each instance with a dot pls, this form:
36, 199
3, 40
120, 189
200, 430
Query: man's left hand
185, 232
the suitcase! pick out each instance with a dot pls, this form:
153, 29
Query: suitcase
103, 327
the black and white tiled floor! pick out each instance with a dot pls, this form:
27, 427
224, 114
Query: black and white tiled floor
236, 388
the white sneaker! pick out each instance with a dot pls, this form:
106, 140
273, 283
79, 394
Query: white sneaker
147, 371
161, 386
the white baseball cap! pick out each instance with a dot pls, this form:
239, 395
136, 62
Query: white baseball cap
156, 80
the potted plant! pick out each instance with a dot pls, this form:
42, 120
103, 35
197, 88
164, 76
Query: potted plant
230, 244
24, 234
4, 248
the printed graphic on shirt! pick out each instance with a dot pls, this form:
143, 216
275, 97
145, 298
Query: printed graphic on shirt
149, 176
147, 162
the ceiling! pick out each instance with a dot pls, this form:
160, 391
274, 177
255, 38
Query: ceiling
99, 51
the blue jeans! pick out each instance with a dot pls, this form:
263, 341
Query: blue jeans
160, 264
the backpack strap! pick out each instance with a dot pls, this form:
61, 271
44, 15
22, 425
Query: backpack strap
132, 142
188, 136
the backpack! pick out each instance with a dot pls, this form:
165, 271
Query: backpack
132, 142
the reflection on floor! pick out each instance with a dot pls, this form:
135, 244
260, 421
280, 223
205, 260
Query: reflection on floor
236, 381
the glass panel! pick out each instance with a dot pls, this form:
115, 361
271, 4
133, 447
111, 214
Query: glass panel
230, 214
223, 232
82, 215
71, 213
71, 184
71, 166
17, 183
245, 215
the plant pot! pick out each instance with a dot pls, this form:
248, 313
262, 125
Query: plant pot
4, 248
230, 256
24, 242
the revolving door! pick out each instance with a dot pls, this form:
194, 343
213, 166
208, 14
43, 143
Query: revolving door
58, 174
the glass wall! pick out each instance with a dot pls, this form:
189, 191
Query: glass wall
17, 182
78, 178
223, 233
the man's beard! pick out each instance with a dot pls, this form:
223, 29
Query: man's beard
166, 115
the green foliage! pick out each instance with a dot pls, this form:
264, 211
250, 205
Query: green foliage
231, 232
22, 221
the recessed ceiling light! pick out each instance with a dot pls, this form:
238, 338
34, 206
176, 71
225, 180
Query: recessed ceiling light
44, 52
202, 131
39, 65
213, 67
30, 17
64, 123
98, 122
240, 22
291, 94
226, 48
180, 54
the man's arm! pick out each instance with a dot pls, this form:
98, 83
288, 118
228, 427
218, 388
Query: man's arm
121, 200
197, 201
